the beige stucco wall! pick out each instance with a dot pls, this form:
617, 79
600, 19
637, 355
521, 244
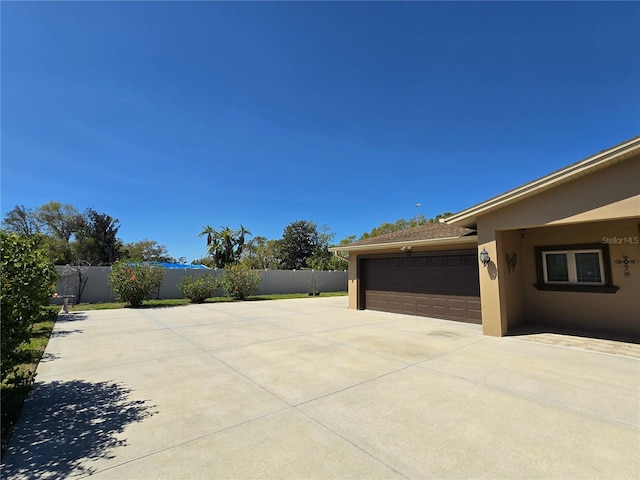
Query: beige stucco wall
353, 261
352, 282
501, 289
603, 204
610, 193
617, 312
587, 209
512, 293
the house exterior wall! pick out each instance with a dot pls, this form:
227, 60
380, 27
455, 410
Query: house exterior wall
512, 287
494, 317
605, 312
588, 209
610, 193
353, 281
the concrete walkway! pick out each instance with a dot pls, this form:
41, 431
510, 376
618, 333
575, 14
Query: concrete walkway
307, 389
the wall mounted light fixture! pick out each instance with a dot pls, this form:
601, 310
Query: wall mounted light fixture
484, 257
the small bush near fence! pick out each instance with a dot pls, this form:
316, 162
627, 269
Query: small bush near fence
132, 282
27, 283
198, 289
239, 281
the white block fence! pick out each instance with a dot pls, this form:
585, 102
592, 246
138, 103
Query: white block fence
96, 289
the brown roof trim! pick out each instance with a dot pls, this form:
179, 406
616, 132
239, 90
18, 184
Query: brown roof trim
468, 217
429, 234
472, 239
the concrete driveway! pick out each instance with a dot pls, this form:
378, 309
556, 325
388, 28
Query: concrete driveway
308, 389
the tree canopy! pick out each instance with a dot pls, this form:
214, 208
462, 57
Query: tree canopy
402, 224
225, 246
303, 245
71, 237
97, 239
147, 250
21, 220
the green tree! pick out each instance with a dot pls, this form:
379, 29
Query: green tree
225, 246
21, 220
59, 220
97, 240
402, 224
328, 261
28, 279
148, 250
301, 241
68, 236
261, 253
206, 261
59, 251
322, 259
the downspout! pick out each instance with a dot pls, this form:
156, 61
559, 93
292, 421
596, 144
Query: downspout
337, 254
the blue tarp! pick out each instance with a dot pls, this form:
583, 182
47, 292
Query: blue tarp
179, 265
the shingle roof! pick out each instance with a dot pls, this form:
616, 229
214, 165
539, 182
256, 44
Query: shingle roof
430, 231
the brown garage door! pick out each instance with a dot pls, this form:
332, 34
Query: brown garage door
442, 285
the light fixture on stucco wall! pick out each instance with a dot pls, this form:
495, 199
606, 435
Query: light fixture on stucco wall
484, 257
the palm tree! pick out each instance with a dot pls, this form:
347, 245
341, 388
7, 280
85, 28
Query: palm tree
241, 233
209, 231
214, 244
224, 245
227, 237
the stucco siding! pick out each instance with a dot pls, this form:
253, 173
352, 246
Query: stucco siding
606, 312
611, 193
512, 305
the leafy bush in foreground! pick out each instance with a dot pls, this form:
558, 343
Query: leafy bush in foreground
239, 281
134, 281
28, 280
198, 289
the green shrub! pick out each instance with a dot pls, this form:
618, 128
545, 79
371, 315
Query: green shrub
133, 281
198, 289
28, 280
238, 281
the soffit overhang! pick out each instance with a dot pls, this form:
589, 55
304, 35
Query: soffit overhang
470, 240
606, 158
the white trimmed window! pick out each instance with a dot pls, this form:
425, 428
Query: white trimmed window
573, 267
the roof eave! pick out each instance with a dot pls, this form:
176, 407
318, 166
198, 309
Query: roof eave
469, 216
408, 243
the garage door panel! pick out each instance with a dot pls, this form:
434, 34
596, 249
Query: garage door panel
440, 286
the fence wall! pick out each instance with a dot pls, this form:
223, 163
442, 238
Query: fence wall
97, 289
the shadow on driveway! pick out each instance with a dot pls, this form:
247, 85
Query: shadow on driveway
69, 423
71, 317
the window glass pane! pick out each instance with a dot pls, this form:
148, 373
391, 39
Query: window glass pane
557, 270
588, 267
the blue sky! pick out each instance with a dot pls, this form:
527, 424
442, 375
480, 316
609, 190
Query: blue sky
172, 115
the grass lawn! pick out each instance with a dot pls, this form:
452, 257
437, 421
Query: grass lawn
183, 301
13, 396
